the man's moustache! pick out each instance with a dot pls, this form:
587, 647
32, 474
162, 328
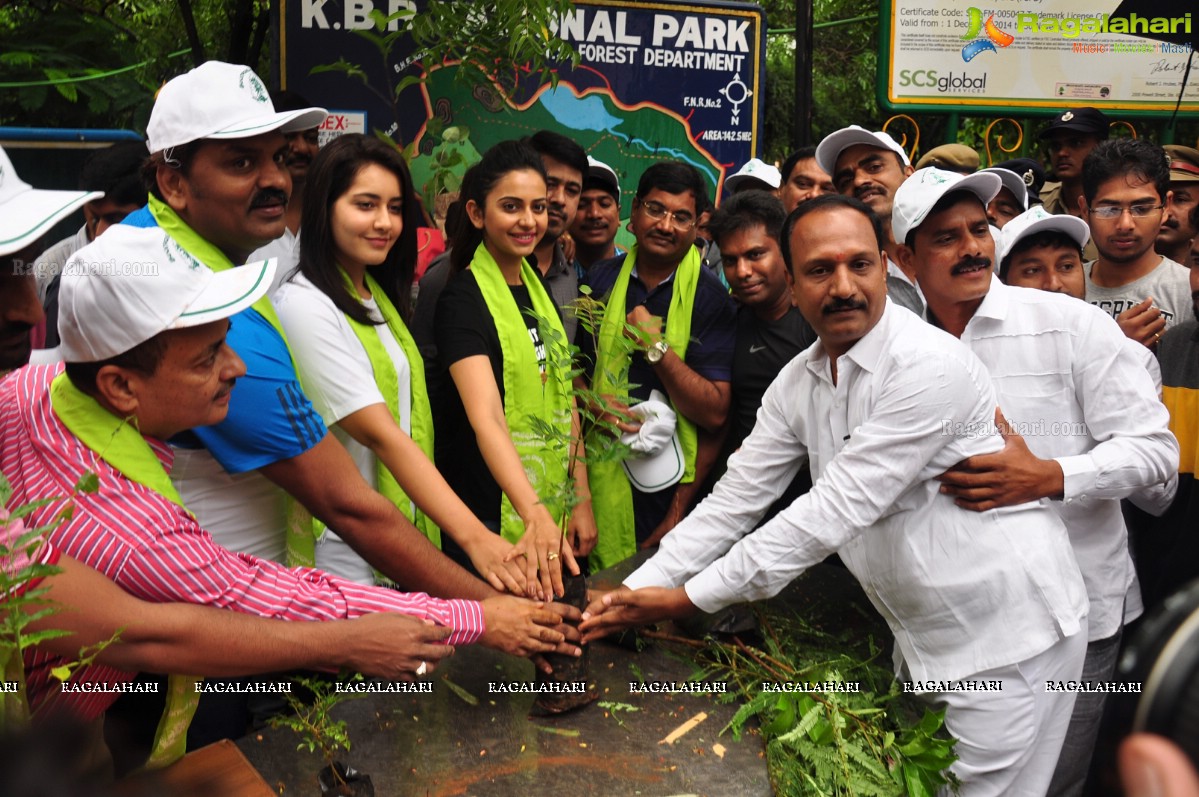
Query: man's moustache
269, 196
972, 262
842, 304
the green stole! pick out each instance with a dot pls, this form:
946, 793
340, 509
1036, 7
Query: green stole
119, 444
173, 225
611, 494
527, 396
388, 382
299, 519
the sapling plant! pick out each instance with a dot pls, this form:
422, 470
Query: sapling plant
311, 719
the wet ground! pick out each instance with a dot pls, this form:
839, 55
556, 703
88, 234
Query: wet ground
471, 740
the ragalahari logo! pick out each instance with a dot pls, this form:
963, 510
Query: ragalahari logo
994, 36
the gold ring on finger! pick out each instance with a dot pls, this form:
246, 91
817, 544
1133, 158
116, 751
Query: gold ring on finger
552, 555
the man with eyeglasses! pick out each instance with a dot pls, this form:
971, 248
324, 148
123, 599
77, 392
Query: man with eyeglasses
1125, 193
687, 329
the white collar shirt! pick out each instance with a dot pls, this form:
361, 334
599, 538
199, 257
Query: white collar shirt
1072, 387
962, 591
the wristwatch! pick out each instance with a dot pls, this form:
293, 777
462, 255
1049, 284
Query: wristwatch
655, 353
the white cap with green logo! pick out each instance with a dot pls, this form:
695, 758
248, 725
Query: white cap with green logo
219, 100
132, 283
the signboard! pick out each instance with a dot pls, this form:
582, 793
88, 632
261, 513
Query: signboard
998, 55
655, 80
338, 123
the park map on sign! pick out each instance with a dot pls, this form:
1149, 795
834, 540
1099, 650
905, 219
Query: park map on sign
628, 139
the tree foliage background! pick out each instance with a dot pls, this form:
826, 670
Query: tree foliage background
44, 41
844, 59
97, 63
122, 49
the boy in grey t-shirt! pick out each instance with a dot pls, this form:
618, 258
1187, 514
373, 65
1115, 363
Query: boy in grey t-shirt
1125, 186
1168, 285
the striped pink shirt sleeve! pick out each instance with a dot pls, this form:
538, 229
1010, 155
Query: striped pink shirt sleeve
186, 565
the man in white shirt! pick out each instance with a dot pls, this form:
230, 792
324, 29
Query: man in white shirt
1084, 426
880, 406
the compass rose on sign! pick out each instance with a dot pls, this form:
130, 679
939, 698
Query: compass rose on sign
736, 92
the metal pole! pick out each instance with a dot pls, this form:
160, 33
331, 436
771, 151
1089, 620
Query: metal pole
803, 73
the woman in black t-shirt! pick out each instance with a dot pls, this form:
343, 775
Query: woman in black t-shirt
491, 327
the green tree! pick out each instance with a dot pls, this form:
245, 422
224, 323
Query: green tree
97, 63
844, 60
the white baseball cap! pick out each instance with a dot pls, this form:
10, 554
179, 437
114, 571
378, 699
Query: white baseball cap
1036, 219
916, 197
219, 100
656, 461
1012, 182
754, 169
831, 147
27, 213
132, 283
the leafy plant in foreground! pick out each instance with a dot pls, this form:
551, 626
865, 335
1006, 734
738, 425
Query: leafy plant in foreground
864, 741
312, 722
23, 607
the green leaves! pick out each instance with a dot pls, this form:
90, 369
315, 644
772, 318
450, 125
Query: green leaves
88, 483
343, 66
450, 159
311, 718
867, 741
613, 708
22, 605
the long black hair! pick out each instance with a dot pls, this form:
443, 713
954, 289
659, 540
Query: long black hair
329, 177
504, 157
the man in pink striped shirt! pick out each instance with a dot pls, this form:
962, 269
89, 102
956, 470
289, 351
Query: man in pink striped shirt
147, 345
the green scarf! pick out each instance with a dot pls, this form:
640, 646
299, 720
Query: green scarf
611, 494
388, 383
119, 444
173, 225
527, 395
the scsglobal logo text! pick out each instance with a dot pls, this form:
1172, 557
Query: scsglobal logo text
931, 79
1072, 27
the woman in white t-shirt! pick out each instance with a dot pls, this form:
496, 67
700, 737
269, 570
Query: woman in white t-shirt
357, 361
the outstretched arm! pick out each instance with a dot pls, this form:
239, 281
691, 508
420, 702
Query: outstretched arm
324, 479
374, 428
182, 637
